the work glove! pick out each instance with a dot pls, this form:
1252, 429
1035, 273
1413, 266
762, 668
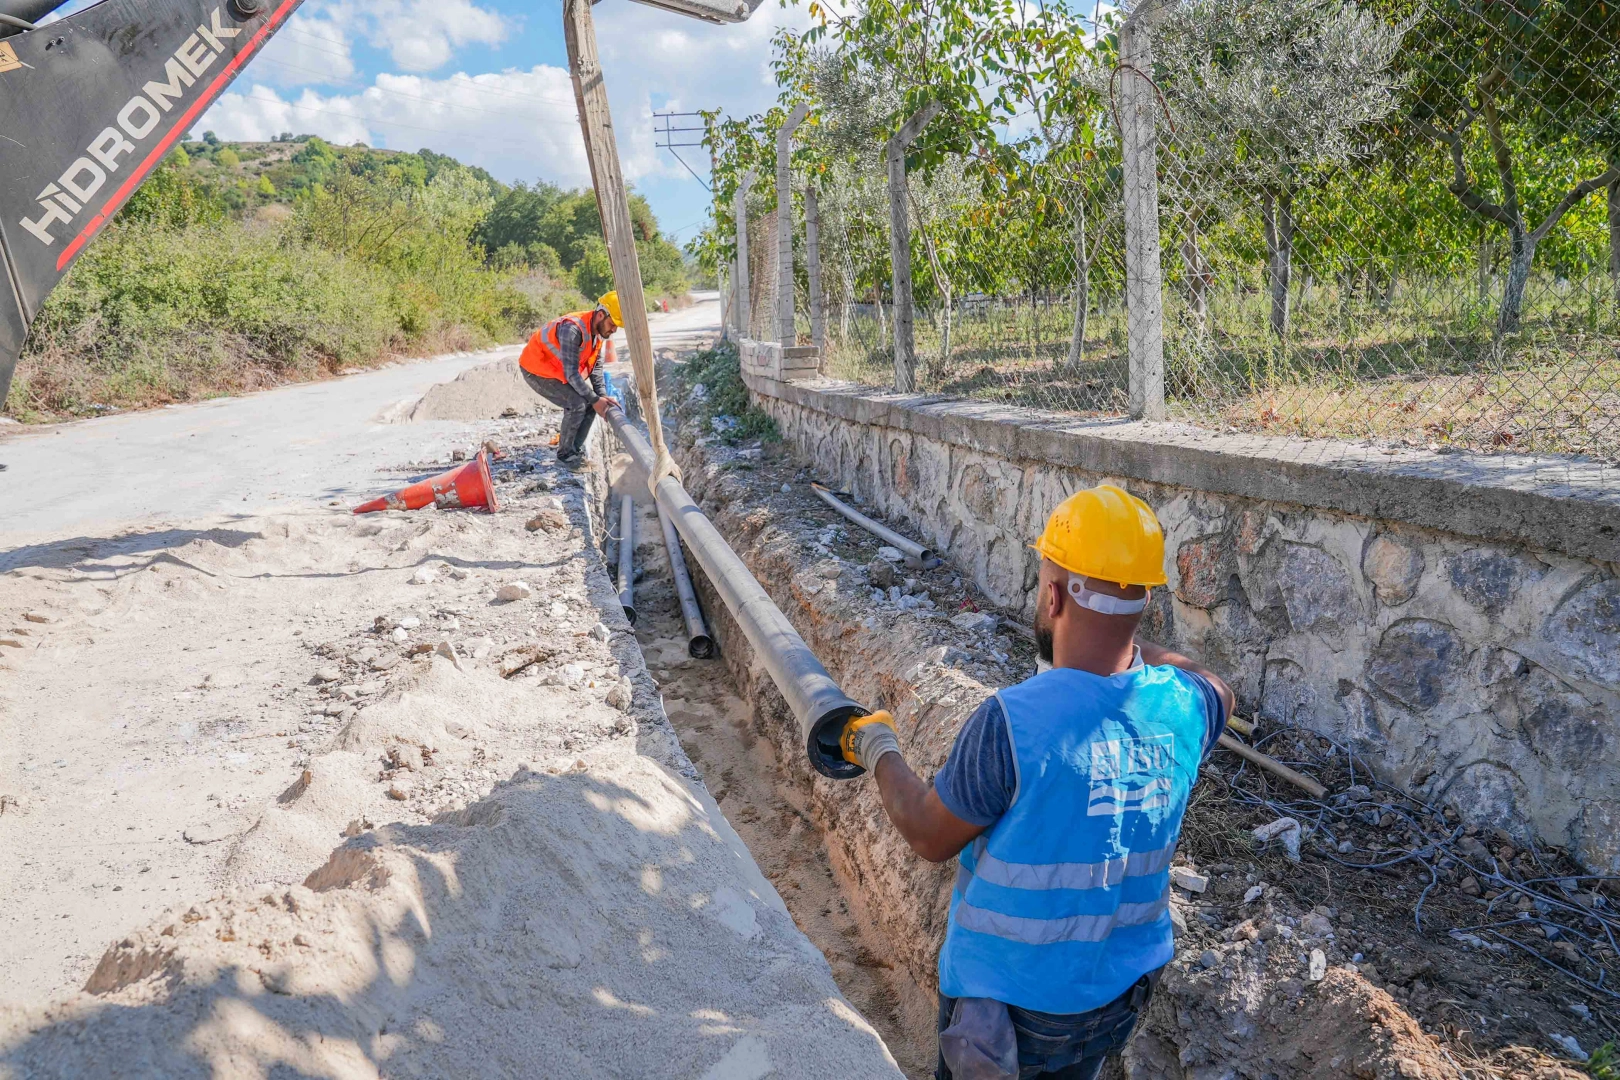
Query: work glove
867, 738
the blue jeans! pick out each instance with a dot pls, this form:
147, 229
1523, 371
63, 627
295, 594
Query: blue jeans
1072, 1046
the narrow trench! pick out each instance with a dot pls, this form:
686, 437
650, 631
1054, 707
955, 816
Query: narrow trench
715, 726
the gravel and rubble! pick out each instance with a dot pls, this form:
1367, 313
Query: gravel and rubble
1307, 967
471, 845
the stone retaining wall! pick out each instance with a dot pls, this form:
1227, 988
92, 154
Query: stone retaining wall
1456, 620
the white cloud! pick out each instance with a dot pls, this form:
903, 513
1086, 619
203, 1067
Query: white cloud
516, 124
422, 35
313, 48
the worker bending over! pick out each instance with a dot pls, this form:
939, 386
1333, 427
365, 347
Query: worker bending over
563, 363
1063, 797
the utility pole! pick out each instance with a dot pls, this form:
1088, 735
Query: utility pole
905, 346
1144, 285
785, 331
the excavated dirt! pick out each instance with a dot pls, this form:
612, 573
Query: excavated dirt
451, 834
1239, 1000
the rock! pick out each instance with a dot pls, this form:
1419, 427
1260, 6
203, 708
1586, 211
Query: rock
880, 573
549, 520
1416, 662
410, 622
1568, 1045
1470, 886
1318, 965
1346, 847
558, 610
1584, 633
786, 488
396, 794
573, 674
1205, 566
621, 695
890, 554
601, 632
1208, 960
333, 710
1188, 879
1178, 921
481, 647
1393, 567
974, 621
35, 617
328, 675
1487, 579
1254, 893
425, 575
11, 643
1285, 830
399, 635
1312, 588
447, 649
893, 594
458, 573
1316, 925
384, 663
514, 590
1354, 794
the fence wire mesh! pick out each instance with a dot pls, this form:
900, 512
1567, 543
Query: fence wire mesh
1384, 223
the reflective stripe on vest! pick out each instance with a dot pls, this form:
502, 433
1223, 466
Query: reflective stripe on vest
1063, 903
542, 356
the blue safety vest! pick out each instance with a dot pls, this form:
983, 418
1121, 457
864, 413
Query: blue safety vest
1063, 903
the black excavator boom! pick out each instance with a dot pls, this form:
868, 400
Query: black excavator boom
89, 105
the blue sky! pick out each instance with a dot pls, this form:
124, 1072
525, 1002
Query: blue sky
486, 81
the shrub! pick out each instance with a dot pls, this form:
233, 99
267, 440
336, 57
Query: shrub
723, 406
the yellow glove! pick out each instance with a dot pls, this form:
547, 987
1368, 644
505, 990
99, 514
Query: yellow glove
867, 738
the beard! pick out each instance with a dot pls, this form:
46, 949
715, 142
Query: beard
1043, 635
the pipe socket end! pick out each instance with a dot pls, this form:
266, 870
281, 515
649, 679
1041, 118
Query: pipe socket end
825, 754
701, 647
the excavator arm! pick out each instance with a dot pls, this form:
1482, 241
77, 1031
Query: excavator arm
89, 105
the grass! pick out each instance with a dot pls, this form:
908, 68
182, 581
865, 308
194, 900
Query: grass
723, 407
1426, 369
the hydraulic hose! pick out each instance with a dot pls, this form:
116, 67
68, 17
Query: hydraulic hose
820, 707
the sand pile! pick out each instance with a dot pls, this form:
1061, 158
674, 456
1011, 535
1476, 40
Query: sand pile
525, 881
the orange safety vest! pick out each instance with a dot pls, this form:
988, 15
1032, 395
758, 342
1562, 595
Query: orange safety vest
542, 356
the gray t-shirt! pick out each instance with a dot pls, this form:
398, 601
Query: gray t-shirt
978, 781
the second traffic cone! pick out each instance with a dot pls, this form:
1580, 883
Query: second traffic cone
468, 487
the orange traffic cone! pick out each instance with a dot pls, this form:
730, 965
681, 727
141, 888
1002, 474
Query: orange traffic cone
468, 487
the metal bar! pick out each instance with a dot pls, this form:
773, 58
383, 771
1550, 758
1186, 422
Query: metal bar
917, 556
699, 645
627, 557
820, 707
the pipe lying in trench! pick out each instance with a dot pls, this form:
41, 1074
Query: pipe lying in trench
699, 645
917, 556
820, 707
627, 558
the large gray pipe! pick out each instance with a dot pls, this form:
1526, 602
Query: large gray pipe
699, 644
627, 557
821, 708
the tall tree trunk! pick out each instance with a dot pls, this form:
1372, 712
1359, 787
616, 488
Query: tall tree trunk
1614, 234
1523, 253
1082, 286
1278, 211
1192, 260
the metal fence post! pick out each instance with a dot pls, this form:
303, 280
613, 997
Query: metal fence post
1144, 285
785, 331
739, 213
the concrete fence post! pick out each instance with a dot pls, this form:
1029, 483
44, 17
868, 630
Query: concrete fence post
785, 331
739, 213
812, 265
1144, 284
905, 346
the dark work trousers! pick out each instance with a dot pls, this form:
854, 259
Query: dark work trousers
1072, 1046
577, 414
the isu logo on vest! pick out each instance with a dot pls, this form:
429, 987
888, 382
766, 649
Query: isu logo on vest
1130, 774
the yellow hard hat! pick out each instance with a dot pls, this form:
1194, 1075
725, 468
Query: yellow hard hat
1108, 534
610, 303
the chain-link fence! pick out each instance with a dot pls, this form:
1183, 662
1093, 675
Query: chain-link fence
1381, 222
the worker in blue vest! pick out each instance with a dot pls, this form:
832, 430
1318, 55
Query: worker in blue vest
1062, 798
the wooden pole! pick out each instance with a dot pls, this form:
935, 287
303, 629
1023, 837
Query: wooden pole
1144, 286
812, 264
785, 331
739, 215
613, 204
905, 346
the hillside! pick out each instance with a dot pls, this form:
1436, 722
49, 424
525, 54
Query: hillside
243, 265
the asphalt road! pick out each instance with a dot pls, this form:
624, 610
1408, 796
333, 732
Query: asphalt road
309, 442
